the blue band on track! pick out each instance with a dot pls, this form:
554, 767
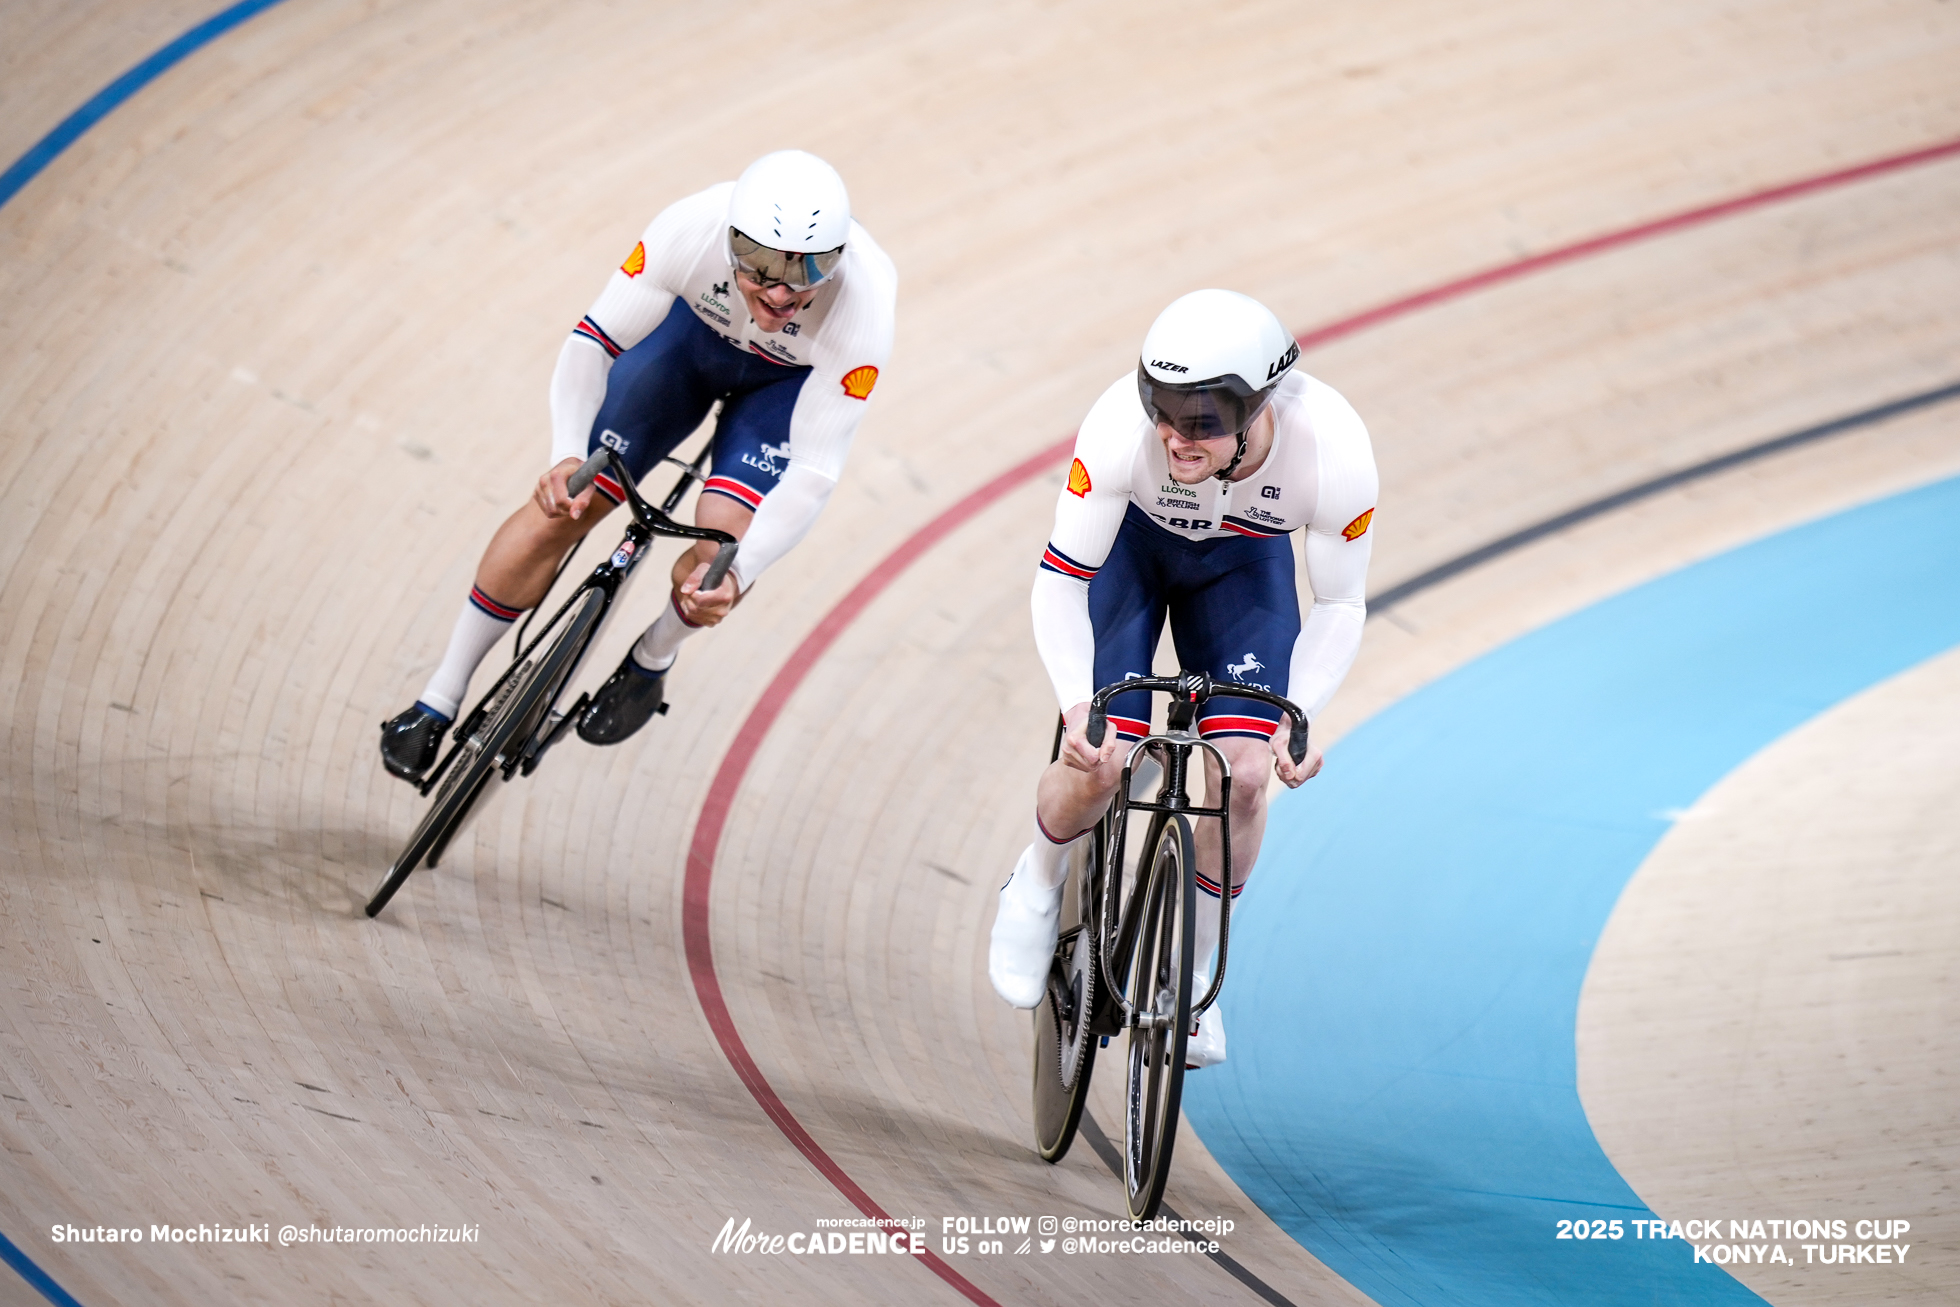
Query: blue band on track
34, 1275
26, 168
1403, 1091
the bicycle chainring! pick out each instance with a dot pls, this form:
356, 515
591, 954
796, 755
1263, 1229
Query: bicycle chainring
1074, 1036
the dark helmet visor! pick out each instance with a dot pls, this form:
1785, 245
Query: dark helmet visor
758, 262
1202, 410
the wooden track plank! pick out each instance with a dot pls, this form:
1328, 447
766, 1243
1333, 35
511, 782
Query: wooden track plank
279, 351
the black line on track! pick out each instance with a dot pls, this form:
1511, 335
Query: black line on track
1442, 572
1114, 1161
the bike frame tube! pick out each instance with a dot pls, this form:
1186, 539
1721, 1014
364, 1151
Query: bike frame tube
1192, 688
647, 522
1176, 799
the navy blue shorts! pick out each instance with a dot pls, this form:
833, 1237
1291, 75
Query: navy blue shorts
661, 389
1234, 615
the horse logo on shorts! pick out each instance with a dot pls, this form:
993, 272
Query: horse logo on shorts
770, 453
1251, 664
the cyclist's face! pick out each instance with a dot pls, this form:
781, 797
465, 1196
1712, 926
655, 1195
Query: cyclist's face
774, 304
1191, 461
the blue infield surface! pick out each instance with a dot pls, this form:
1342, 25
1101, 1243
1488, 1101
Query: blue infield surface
1404, 985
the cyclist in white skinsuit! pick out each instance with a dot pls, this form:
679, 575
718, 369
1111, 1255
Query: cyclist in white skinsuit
1184, 508
762, 295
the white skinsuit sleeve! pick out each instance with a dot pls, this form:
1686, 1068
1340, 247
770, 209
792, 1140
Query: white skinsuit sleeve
635, 299
578, 387
854, 344
1088, 514
1337, 566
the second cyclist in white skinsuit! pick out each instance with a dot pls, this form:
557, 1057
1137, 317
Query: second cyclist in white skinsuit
1184, 509
761, 295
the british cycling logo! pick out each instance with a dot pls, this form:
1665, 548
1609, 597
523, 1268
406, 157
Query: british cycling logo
873, 1237
767, 463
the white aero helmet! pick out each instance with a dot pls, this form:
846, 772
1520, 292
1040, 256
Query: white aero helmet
788, 220
1210, 364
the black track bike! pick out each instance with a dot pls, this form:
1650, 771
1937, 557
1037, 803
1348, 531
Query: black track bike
1123, 964
517, 720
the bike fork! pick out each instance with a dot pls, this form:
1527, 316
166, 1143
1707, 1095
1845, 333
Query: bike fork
555, 726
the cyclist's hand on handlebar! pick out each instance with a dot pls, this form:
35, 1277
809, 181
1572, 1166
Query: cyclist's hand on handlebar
707, 608
1292, 774
1077, 752
555, 499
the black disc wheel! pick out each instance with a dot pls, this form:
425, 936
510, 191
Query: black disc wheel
508, 720
1159, 989
1064, 1048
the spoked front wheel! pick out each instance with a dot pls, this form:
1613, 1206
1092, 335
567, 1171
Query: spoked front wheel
1159, 990
508, 723
1064, 1047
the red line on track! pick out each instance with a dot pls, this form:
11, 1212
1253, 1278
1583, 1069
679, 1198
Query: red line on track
1625, 236
721, 797
748, 740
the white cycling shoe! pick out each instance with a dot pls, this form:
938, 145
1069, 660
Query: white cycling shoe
1026, 927
1206, 1047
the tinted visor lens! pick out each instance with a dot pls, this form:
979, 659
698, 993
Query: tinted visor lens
1205, 411
758, 262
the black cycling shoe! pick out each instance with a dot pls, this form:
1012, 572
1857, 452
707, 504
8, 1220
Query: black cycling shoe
625, 703
411, 741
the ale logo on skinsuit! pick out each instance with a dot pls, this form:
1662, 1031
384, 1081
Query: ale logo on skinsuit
859, 381
1078, 479
1357, 528
636, 262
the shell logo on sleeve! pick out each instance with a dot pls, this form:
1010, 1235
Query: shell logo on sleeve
636, 262
859, 381
1357, 528
1078, 479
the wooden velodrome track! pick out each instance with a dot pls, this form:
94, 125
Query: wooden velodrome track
277, 337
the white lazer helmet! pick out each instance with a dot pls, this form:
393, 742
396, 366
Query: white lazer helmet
1210, 364
788, 220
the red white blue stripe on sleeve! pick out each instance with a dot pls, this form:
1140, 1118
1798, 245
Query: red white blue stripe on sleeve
593, 332
1056, 561
1247, 527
